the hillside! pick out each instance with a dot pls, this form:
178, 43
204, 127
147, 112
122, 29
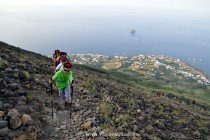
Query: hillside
106, 105
154, 72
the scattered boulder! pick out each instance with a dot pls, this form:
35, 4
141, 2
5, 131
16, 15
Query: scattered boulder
24, 75
1, 105
3, 90
22, 137
7, 105
135, 128
13, 86
12, 134
77, 107
15, 122
87, 113
3, 131
86, 126
197, 134
13, 113
63, 127
33, 132
9, 93
138, 111
57, 130
2, 114
93, 121
177, 135
8, 70
20, 92
25, 118
149, 129
3, 124
23, 98
100, 138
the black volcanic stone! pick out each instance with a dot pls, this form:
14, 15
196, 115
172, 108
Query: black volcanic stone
6, 105
6, 79
9, 70
9, 93
3, 90
13, 86
3, 124
1, 105
124, 106
14, 133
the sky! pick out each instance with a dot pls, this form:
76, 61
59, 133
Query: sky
201, 6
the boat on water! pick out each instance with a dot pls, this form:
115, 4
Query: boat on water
133, 31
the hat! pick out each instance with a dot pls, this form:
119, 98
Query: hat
63, 53
57, 51
63, 59
68, 66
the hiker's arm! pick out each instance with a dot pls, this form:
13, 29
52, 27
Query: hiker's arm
59, 66
53, 78
50, 80
71, 78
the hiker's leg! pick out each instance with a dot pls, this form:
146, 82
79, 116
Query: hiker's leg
67, 94
62, 96
61, 93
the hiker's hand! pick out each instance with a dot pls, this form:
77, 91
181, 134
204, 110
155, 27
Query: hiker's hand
73, 84
50, 81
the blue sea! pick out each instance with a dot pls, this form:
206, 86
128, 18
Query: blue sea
100, 28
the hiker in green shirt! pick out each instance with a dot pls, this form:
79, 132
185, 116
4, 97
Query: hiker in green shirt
64, 79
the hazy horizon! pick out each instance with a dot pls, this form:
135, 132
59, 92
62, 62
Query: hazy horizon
175, 28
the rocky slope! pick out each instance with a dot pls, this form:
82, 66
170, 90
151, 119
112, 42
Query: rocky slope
104, 107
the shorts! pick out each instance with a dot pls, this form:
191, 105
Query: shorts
65, 93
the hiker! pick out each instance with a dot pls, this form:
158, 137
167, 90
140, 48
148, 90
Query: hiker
63, 79
63, 54
56, 57
158, 94
63, 60
193, 103
188, 101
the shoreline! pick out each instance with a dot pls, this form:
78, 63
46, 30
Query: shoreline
197, 69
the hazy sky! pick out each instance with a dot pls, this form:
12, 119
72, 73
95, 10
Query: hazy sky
201, 6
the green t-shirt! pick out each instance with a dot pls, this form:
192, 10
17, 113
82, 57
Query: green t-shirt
62, 80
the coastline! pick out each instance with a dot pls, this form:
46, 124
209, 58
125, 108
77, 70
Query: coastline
197, 69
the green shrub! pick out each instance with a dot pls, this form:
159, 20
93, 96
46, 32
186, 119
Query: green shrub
104, 110
3, 63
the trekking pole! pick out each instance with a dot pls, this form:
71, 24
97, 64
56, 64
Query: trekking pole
51, 88
70, 108
72, 92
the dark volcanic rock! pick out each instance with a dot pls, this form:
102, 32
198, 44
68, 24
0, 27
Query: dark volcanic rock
3, 90
2, 114
3, 131
14, 133
9, 70
13, 113
20, 92
7, 106
9, 93
176, 135
15, 122
13, 86
3, 124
